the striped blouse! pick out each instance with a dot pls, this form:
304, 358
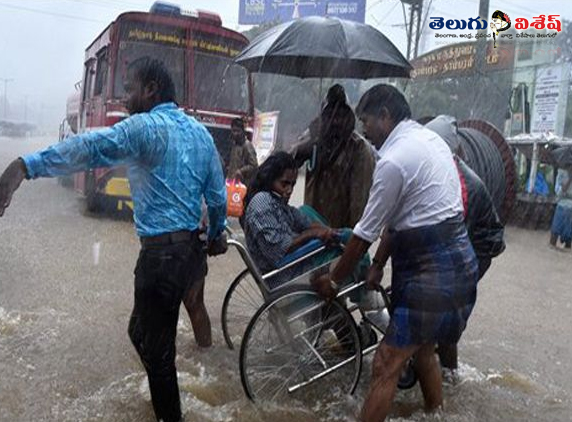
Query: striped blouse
270, 226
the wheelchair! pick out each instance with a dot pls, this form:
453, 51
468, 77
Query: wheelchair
289, 337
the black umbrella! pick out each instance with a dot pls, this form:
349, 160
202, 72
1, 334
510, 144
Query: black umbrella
324, 48
562, 157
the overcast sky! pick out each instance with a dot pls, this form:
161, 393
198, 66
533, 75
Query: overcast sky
42, 42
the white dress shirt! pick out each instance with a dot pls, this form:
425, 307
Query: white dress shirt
415, 183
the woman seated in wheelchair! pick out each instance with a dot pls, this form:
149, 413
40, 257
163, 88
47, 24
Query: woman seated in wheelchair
277, 233
274, 229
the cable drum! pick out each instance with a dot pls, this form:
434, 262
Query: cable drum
486, 151
481, 154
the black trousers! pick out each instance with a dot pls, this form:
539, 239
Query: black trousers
163, 275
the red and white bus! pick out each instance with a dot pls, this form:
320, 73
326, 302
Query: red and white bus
197, 50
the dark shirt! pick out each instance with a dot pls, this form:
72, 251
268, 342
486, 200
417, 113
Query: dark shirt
242, 158
338, 181
485, 230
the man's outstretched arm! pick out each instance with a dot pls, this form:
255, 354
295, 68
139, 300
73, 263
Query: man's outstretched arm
127, 140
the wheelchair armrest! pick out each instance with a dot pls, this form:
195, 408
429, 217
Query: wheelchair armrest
303, 250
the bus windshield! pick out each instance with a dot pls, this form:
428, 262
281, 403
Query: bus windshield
220, 84
172, 57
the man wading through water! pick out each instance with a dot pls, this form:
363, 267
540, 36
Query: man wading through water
173, 164
416, 200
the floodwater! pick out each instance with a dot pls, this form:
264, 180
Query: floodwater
65, 355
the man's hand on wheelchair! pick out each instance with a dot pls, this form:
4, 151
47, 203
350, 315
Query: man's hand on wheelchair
374, 277
325, 287
218, 245
328, 236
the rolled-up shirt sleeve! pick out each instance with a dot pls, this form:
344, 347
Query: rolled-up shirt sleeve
215, 197
127, 140
384, 198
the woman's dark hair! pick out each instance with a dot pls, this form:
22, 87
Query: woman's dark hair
268, 172
384, 97
147, 70
503, 17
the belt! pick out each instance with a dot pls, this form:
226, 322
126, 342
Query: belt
169, 238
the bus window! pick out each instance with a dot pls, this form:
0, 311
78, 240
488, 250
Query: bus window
101, 74
218, 83
172, 58
88, 78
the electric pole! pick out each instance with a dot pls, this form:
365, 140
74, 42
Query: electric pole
25, 108
413, 28
6, 80
481, 53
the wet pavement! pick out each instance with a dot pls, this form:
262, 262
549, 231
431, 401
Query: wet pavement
65, 354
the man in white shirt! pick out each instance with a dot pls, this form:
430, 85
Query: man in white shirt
415, 199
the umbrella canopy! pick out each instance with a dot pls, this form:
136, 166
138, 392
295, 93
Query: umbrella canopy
563, 156
324, 48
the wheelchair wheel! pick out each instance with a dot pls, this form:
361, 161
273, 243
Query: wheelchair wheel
293, 342
241, 301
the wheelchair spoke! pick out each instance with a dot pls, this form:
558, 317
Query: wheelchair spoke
241, 302
296, 340
249, 296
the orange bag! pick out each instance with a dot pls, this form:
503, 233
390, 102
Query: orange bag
235, 193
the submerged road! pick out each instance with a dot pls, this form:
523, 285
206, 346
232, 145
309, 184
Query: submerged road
65, 354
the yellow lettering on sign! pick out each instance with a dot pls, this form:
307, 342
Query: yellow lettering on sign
167, 38
217, 48
140, 35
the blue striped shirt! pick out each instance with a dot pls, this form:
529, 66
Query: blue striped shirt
270, 226
172, 164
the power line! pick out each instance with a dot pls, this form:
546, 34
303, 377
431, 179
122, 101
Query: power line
425, 20
446, 13
6, 81
371, 6
515, 9
524, 8
43, 12
117, 5
387, 15
390, 12
406, 26
78, 18
108, 6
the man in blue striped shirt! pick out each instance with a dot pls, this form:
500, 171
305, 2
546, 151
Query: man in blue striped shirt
172, 164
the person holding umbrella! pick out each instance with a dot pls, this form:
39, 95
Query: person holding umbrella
415, 199
338, 49
341, 163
